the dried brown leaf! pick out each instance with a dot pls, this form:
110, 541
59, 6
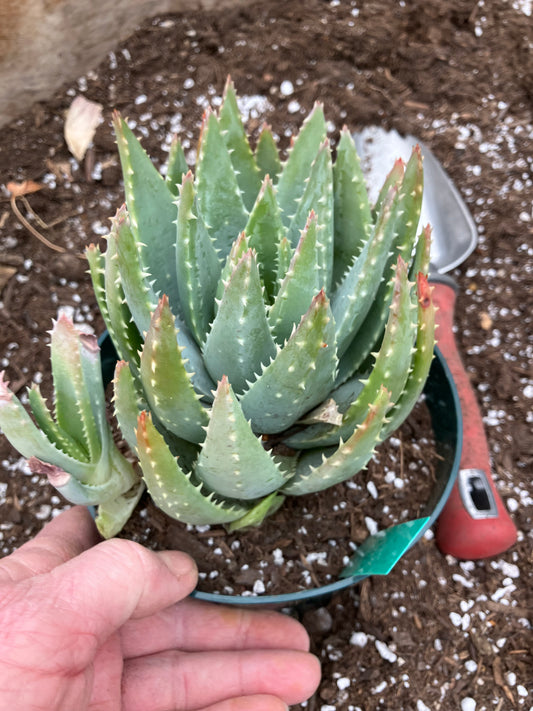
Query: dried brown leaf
61, 169
24, 188
81, 121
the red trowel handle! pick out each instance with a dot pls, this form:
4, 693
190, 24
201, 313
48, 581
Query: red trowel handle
474, 522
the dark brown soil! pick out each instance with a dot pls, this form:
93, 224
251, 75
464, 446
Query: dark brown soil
459, 75
308, 542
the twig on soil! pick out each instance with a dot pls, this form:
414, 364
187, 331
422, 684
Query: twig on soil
42, 223
20, 190
30, 228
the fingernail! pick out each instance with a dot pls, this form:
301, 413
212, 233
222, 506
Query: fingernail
179, 563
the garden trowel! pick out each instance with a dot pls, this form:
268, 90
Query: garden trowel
474, 522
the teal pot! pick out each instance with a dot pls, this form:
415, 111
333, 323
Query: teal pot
379, 553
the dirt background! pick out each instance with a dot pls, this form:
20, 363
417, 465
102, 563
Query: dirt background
436, 633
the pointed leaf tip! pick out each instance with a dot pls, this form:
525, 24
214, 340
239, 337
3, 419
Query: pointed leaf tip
119, 367
228, 86
141, 423
424, 290
320, 299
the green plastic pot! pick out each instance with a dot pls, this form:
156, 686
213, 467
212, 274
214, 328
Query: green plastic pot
381, 551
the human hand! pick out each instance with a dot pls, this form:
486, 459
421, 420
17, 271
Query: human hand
104, 626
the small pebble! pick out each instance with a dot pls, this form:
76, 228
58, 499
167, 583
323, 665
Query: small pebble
318, 621
359, 639
286, 88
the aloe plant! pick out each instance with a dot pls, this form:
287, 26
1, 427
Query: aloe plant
74, 446
273, 326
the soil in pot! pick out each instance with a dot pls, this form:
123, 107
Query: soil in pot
309, 540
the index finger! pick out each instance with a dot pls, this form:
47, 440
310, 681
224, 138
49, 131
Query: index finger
63, 538
193, 626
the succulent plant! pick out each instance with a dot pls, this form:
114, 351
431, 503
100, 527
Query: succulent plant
272, 325
74, 447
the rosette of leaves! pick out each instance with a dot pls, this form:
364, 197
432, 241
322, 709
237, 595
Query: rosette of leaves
273, 326
73, 445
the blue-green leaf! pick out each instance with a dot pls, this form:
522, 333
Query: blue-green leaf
300, 376
219, 197
232, 461
152, 210
239, 341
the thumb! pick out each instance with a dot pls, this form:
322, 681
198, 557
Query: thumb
65, 537
85, 600
122, 579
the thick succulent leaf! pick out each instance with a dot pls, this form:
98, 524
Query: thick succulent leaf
81, 482
318, 197
393, 180
167, 385
422, 256
284, 259
176, 166
113, 514
296, 170
393, 362
139, 295
422, 357
241, 155
218, 193
316, 472
90, 394
300, 376
267, 155
123, 273
265, 231
352, 214
193, 361
237, 251
391, 369
171, 488
127, 401
96, 261
95, 421
101, 273
121, 326
111, 484
240, 341
24, 436
355, 294
232, 462
410, 199
197, 264
255, 517
78, 387
44, 420
152, 210
300, 284
406, 223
